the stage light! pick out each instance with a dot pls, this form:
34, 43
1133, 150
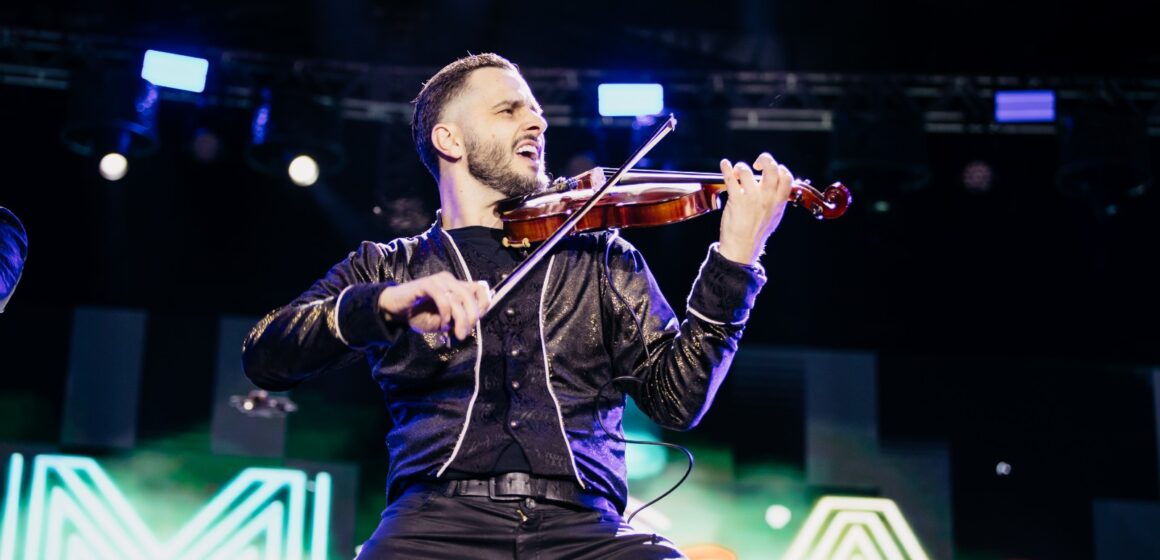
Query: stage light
778, 516
303, 171
113, 166
111, 111
261, 404
977, 176
709, 552
1025, 106
630, 100
296, 135
205, 145
175, 71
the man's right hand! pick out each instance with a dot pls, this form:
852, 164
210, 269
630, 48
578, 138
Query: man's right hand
437, 303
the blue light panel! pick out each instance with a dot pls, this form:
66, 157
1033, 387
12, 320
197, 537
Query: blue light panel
630, 100
1024, 106
175, 71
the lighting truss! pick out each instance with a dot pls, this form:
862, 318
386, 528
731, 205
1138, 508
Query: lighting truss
787, 101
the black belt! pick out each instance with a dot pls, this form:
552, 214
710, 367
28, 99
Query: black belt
516, 486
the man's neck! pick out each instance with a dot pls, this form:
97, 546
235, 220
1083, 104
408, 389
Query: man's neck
467, 202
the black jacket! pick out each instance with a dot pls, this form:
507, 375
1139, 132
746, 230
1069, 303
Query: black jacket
587, 336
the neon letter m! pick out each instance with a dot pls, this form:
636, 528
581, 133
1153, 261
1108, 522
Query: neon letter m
75, 512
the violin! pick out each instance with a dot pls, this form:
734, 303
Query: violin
641, 198
628, 199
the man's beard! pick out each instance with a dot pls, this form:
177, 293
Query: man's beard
490, 163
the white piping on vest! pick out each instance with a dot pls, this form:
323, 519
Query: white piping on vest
548, 374
478, 359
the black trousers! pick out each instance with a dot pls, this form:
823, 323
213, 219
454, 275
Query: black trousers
426, 524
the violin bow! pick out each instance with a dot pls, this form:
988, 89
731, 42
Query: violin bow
507, 284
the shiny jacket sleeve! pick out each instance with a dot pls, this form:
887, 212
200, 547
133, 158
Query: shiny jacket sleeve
685, 361
326, 327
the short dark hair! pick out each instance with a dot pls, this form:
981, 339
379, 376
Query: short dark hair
437, 93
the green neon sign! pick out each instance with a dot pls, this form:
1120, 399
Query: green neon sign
845, 528
73, 510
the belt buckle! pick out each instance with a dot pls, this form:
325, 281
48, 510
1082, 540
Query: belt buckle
496, 496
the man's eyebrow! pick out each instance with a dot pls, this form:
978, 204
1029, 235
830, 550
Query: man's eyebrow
517, 103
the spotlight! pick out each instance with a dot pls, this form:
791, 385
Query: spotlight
296, 135
977, 176
303, 171
260, 404
111, 111
778, 516
205, 146
113, 166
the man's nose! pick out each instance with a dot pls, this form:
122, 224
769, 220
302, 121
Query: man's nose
536, 121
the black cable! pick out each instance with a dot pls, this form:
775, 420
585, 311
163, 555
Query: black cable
648, 359
689, 454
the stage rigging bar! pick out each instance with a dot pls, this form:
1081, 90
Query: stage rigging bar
780, 101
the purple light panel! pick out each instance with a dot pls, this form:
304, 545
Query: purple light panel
1024, 106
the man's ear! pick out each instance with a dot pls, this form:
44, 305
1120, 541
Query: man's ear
448, 140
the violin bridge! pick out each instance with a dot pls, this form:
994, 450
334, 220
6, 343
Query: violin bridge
519, 245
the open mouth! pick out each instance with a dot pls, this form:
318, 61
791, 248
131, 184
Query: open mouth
529, 152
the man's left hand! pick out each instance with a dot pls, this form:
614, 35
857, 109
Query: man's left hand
754, 209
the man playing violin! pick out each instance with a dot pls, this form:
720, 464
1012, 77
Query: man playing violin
497, 446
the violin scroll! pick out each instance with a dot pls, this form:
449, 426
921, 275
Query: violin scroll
827, 205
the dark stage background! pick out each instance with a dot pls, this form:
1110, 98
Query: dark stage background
1009, 322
